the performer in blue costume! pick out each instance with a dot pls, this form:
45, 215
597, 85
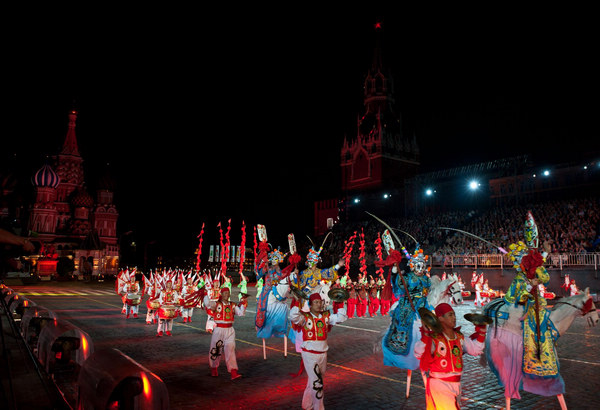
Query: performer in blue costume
271, 276
399, 341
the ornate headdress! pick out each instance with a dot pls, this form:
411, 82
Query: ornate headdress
276, 256
418, 261
524, 255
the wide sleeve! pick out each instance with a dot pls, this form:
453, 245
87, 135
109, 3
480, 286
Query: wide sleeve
209, 304
296, 317
339, 317
473, 347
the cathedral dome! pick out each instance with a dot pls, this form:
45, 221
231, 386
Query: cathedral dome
82, 198
46, 177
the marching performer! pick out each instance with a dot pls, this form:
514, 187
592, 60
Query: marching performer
373, 298
478, 289
213, 293
152, 304
441, 357
131, 292
315, 325
190, 295
168, 300
222, 341
352, 300
362, 301
573, 289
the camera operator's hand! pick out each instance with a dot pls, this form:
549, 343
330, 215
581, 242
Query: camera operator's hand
11, 239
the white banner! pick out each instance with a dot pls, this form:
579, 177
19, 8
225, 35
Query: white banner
211, 253
217, 254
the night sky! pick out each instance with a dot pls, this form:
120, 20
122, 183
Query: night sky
207, 116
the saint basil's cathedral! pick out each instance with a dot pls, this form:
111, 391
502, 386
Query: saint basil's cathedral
67, 221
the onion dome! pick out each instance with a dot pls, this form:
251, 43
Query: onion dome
82, 198
46, 177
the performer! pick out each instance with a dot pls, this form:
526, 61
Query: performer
478, 289
338, 285
362, 301
441, 358
385, 296
243, 286
152, 304
315, 324
189, 298
168, 300
486, 292
352, 300
259, 286
213, 293
373, 298
132, 296
309, 278
272, 275
403, 332
573, 289
534, 362
222, 341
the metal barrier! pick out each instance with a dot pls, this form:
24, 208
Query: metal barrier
554, 260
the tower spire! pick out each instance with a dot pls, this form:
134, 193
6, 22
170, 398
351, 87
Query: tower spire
70, 144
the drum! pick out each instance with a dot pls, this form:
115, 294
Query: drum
549, 295
485, 294
152, 304
167, 312
133, 299
466, 293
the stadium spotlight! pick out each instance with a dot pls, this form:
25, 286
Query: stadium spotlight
386, 196
356, 200
546, 173
474, 185
429, 192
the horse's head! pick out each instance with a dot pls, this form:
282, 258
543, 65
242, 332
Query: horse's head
323, 291
588, 309
584, 304
453, 289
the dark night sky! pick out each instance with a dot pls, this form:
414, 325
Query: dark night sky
208, 116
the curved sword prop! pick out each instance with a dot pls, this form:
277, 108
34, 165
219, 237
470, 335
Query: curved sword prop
476, 237
407, 234
389, 227
399, 273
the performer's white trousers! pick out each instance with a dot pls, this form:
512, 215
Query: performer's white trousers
478, 298
442, 394
151, 315
313, 397
132, 309
164, 325
187, 312
227, 336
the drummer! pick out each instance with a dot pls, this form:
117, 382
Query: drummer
133, 297
441, 358
168, 299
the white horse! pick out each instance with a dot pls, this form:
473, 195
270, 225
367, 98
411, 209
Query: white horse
509, 320
277, 306
445, 291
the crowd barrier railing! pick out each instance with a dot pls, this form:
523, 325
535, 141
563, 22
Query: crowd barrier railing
480, 261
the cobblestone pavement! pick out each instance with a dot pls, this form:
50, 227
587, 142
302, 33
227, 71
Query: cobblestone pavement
355, 379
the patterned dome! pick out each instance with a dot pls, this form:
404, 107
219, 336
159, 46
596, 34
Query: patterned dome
46, 177
82, 199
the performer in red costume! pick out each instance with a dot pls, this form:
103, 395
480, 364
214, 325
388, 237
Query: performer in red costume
441, 358
222, 340
315, 324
